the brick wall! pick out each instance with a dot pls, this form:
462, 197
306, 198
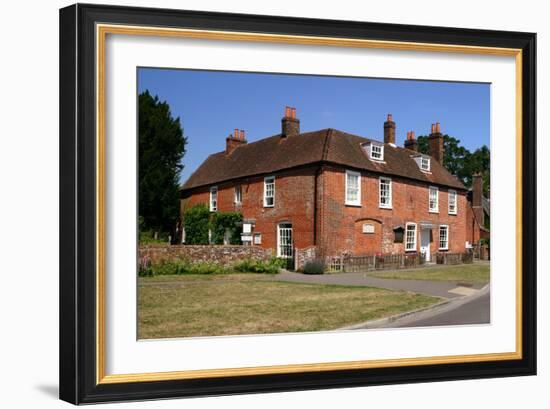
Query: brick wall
340, 227
294, 203
223, 255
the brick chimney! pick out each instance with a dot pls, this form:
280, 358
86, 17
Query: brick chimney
410, 142
389, 130
477, 198
233, 141
436, 148
290, 125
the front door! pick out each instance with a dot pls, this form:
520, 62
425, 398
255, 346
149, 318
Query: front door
425, 243
285, 245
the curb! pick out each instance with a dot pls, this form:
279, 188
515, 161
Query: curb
420, 313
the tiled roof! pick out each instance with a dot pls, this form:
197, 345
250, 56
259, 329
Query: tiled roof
274, 153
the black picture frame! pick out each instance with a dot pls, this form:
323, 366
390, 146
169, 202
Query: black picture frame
78, 360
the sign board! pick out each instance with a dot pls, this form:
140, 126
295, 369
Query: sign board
246, 237
368, 228
247, 228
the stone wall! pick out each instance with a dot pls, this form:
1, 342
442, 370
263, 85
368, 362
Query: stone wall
302, 256
222, 255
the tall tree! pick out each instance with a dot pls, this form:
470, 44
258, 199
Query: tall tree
161, 150
461, 162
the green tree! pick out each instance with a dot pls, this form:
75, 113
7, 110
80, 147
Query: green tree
479, 161
161, 150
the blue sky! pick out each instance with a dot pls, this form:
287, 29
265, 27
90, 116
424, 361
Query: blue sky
211, 104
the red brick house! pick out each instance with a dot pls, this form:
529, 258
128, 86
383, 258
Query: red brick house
338, 192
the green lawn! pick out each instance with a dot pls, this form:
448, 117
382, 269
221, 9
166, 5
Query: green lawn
231, 304
463, 273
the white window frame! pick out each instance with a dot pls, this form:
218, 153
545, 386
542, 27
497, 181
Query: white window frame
357, 201
381, 158
238, 197
434, 209
414, 237
214, 199
269, 180
452, 193
446, 228
424, 159
384, 179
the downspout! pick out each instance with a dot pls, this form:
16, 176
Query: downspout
315, 202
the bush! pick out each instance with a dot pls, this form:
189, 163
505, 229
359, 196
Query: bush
196, 221
484, 241
254, 266
148, 237
179, 267
314, 267
220, 222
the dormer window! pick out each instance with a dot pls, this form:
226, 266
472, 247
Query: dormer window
375, 150
423, 162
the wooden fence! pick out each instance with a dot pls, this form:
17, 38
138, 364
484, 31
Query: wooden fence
350, 263
455, 258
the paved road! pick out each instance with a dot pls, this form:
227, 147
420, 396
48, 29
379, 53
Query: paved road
433, 288
477, 311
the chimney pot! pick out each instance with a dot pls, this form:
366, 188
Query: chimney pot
410, 142
290, 125
242, 134
436, 147
389, 130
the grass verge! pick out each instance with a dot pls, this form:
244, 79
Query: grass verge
463, 273
208, 305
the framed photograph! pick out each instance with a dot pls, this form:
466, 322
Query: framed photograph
257, 203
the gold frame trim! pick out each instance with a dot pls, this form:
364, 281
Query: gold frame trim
101, 32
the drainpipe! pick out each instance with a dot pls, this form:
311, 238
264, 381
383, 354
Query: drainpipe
315, 216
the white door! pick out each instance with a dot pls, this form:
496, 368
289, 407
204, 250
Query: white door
284, 240
425, 243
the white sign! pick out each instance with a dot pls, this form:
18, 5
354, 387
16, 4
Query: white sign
246, 237
257, 238
247, 228
368, 228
